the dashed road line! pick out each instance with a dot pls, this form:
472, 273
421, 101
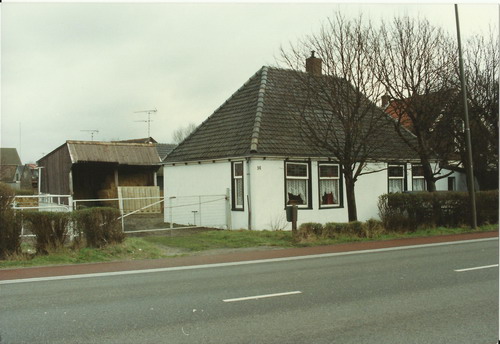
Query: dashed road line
477, 268
257, 297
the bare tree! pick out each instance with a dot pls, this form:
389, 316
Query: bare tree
337, 114
416, 63
481, 64
181, 133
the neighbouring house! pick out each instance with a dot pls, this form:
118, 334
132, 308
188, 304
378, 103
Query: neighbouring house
13, 172
95, 170
252, 147
441, 128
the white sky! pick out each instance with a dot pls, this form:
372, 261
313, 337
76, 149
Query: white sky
68, 67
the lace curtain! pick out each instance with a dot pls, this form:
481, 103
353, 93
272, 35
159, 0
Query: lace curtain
296, 191
418, 184
329, 191
395, 185
239, 192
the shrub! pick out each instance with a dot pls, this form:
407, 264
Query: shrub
10, 224
487, 207
100, 226
372, 228
50, 228
333, 230
409, 211
309, 230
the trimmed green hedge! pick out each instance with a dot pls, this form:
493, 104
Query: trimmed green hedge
10, 224
100, 226
93, 227
335, 230
50, 228
409, 211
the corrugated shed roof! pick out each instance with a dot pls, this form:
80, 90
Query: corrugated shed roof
113, 152
260, 119
9, 156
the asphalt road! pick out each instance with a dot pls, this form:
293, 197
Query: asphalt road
399, 296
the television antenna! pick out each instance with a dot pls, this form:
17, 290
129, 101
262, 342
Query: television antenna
92, 132
149, 120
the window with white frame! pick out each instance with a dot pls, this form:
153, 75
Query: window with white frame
329, 185
417, 178
237, 185
396, 176
297, 183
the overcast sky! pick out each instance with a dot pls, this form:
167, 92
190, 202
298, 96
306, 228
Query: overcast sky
68, 67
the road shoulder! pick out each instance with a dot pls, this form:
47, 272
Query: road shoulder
218, 256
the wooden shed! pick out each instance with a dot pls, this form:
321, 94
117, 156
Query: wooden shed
94, 170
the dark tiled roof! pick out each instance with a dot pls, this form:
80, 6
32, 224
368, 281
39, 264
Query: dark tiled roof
260, 119
9, 156
164, 149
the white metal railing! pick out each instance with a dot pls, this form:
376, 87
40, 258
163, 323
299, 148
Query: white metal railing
43, 202
179, 212
197, 211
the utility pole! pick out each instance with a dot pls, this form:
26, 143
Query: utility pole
469, 169
92, 132
149, 120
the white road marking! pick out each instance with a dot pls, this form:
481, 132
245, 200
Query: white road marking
248, 262
477, 268
262, 296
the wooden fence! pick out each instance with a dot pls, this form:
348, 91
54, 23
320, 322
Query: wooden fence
144, 196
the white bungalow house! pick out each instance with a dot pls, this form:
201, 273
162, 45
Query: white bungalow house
250, 146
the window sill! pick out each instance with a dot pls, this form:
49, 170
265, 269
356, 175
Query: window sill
330, 207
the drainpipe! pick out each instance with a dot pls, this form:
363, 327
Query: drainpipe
249, 199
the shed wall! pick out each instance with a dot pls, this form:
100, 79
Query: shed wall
55, 172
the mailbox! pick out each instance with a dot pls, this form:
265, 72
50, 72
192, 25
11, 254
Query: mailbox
291, 213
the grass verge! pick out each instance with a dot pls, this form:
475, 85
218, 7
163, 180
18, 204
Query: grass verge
154, 247
130, 249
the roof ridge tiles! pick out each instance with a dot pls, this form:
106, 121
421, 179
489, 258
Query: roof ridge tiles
258, 115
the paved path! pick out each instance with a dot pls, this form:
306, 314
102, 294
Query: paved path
46, 271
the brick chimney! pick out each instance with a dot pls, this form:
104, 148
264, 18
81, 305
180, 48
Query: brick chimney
385, 100
313, 65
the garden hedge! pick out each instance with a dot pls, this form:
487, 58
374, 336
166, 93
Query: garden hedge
100, 226
10, 223
50, 228
409, 211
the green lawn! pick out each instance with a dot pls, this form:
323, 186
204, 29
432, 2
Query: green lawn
225, 239
153, 247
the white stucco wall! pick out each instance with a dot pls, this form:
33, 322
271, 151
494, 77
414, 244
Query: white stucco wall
187, 182
264, 185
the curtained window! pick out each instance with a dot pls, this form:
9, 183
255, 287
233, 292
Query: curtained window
396, 176
237, 185
329, 179
297, 183
418, 181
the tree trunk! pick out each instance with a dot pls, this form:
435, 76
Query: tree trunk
351, 199
428, 175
